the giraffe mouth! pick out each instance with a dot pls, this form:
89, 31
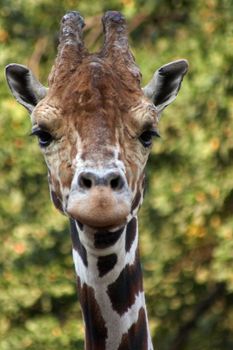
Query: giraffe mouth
100, 208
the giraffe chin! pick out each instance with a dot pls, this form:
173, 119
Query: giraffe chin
100, 208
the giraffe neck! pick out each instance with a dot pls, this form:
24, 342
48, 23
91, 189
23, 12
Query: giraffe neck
110, 288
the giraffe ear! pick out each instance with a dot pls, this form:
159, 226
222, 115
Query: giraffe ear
27, 90
165, 84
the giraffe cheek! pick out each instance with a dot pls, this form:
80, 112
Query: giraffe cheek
65, 176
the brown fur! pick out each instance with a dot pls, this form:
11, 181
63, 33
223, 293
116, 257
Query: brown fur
106, 110
96, 111
96, 331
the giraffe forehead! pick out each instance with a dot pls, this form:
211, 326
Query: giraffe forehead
94, 87
94, 108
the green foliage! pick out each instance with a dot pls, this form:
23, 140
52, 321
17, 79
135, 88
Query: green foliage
186, 220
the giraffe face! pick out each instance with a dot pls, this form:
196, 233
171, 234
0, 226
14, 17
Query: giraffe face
96, 134
95, 124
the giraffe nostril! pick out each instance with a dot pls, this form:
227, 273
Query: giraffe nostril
116, 183
85, 182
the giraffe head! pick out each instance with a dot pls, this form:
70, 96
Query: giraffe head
95, 124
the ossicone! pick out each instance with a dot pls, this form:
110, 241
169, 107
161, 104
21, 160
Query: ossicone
71, 47
116, 45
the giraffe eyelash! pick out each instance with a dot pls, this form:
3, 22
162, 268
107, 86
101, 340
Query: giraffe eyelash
146, 137
44, 137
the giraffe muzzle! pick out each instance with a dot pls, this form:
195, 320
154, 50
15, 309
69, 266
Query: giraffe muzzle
100, 199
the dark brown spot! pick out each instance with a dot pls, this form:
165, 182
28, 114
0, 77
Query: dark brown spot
130, 233
136, 201
136, 338
80, 225
106, 264
144, 185
56, 201
95, 329
123, 291
104, 239
77, 245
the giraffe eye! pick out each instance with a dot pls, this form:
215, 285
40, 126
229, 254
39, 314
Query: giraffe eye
44, 137
146, 137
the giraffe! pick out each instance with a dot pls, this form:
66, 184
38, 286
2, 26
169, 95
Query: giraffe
95, 126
